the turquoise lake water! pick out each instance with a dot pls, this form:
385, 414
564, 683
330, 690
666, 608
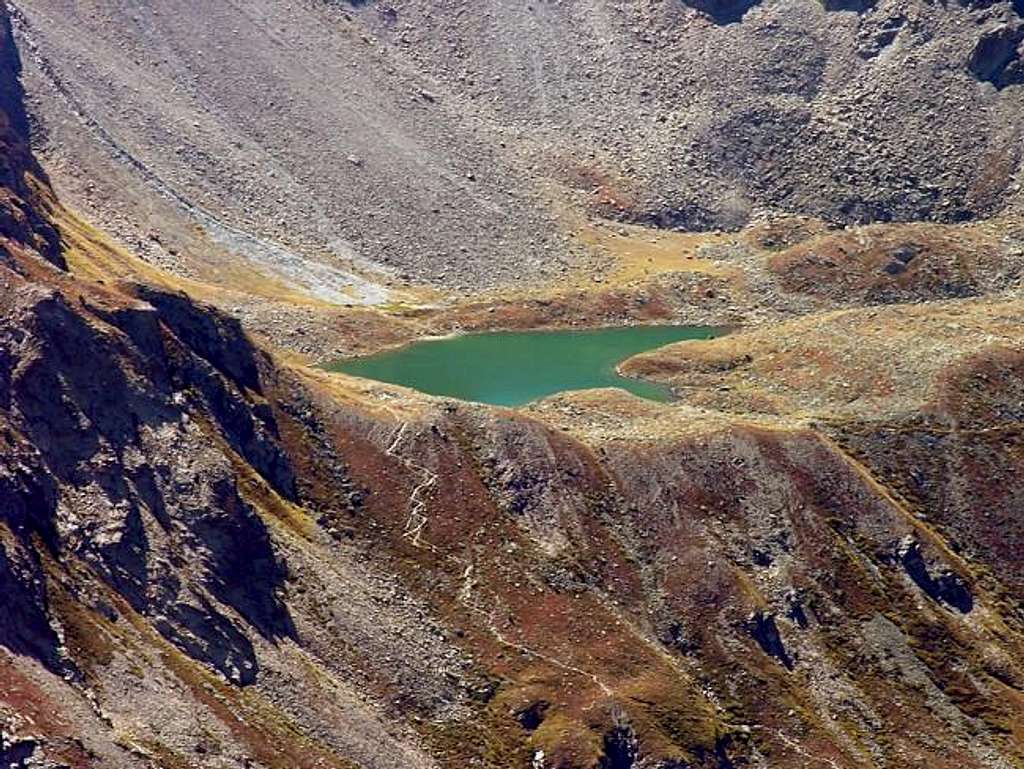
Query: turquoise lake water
510, 368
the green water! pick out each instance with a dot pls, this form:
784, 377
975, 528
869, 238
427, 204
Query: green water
512, 368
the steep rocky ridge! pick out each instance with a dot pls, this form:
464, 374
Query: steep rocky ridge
24, 183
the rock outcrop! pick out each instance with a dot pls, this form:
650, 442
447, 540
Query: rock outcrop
23, 208
728, 12
998, 56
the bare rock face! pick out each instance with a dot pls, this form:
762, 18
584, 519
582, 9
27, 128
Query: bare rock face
20, 752
947, 587
21, 214
857, 6
225, 368
765, 631
723, 11
998, 56
122, 428
29, 495
27, 629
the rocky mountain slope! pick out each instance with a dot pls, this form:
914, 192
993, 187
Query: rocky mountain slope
284, 135
214, 556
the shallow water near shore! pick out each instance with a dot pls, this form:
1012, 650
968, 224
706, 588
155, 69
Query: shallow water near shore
511, 368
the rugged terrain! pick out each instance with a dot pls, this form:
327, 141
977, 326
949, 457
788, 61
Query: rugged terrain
213, 555
358, 151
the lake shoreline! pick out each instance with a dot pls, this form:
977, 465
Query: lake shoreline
516, 367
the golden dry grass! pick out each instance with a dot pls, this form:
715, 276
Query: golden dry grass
643, 253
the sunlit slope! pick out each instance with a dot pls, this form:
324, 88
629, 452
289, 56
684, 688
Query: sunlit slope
352, 148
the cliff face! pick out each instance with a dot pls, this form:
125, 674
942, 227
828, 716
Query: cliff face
24, 184
212, 558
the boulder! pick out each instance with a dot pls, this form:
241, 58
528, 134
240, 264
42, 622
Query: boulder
997, 56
